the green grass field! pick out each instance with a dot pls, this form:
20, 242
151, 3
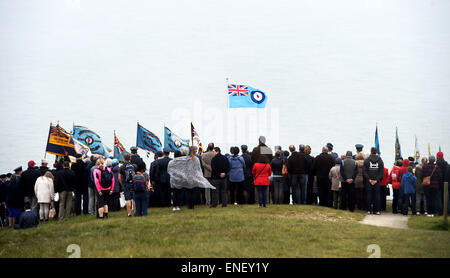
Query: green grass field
248, 231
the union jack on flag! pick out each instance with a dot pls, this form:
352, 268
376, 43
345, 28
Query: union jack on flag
237, 90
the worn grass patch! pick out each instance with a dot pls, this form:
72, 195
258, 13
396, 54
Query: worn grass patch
232, 232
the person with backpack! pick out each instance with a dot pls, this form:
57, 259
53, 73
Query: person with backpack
126, 175
141, 188
104, 183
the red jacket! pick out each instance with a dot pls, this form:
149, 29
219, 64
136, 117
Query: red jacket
262, 172
403, 169
393, 177
386, 177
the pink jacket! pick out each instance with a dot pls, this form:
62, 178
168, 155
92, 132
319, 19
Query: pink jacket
98, 178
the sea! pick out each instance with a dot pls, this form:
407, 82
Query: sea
332, 71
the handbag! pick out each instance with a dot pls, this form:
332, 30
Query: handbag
52, 213
426, 181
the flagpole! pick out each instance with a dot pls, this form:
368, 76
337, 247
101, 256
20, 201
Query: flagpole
228, 97
192, 136
45, 154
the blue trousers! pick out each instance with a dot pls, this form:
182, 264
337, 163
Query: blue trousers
373, 197
141, 200
262, 194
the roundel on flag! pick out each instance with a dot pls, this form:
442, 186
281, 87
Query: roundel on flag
258, 97
89, 140
177, 143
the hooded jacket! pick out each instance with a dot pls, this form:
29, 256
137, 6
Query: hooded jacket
409, 183
373, 168
403, 169
393, 177
237, 166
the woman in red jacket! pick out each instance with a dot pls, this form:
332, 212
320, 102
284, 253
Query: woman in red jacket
393, 179
384, 189
262, 171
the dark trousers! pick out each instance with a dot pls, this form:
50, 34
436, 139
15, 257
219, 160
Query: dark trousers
236, 195
190, 197
141, 200
287, 190
298, 189
309, 190
221, 189
248, 186
82, 196
395, 201
178, 197
407, 200
325, 194
165, 195
348, 196
373, 197
433, 196
383, 198
114, 202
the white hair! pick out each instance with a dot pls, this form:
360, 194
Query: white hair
184, 151
108, 162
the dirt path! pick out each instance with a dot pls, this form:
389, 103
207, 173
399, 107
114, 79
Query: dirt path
387, 220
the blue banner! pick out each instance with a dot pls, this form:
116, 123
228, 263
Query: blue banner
245, 96
173, 141
90, 139
147, 140
377, 142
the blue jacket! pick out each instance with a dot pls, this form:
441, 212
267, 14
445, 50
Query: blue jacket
237, 166
408, 183
28, 219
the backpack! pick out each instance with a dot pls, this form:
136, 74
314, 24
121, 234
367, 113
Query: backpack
106, 179
139, 184
129, 173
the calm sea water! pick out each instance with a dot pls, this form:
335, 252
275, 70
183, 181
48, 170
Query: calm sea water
331, 70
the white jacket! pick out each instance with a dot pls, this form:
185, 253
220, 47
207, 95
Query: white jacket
44, 189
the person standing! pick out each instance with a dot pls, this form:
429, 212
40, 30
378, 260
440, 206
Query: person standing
44, 167
135, 159
64, 185
373, 171
14, 198
206, 162
141, 188
330, 151
443, 165
297, 167
91, 185
104, 183
384, 189
236, 176
45, 191
434, 193
114, 204
396, 183
336, 182
248, 192
310, 197
409, 191
219, 169
261, 149
262, 171
359, 149
155, 195
81, 187
3, 181
278, 179
163, 178
126, 174
349, 171
27, 182
321, 168
421, 202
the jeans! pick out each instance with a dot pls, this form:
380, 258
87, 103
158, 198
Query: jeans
92, 200
298, 186
262, 194
278, 186
141, 200
81, 196
221, 188
421, 202
407, 199
373, 197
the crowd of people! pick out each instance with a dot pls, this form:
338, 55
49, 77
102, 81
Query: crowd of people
96, 185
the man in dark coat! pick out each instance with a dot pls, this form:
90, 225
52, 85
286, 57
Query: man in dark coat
65, 184
219, 169
135, 158
27, 182
162, 178
3, 216
249, 192
44, 167
154, 199
349, 171
298, 167
261, 149
443, 165
81, 186
373, 171
321, 169
310, 175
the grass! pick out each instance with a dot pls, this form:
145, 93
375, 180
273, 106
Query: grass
233, 232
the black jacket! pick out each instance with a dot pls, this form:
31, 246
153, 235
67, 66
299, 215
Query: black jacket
43, 170
443, 165
160, 170
310, 163
65, 180
373, 168
277, 166
297, 164
248, 165
79, 168
135, 159
322, 165
28, 180
219, 164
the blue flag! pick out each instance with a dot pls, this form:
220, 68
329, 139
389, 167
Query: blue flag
91, 139
147, 140
173, 141
245, 96
398, 151
119, 150
377, 142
